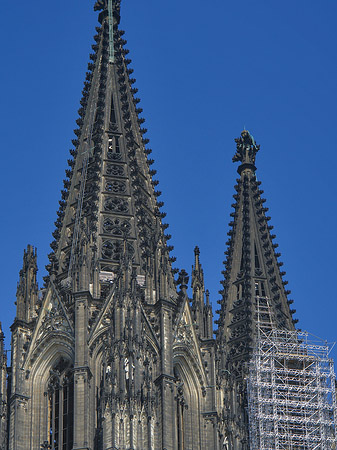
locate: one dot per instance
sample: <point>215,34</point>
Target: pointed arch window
<point>61,407</point>
<point>260,289</point>
<point>114,151</point>
<point>263,291</point>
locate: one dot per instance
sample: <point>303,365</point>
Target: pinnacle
<point>196,258</point>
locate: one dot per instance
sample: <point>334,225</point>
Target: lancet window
<point>260,289</point>
<point>257,260</point>
<point>61,408</point>
<point>114,151</point>
<point>112,111</point>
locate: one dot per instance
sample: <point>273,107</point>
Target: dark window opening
<point>114,151</point>
<point>112,111</point>
<point>257,261</point>
<point>263,291</point>
<point>205,327</point>
<point>260,289</point>
<point>61,408</point>
<point>117,149</point>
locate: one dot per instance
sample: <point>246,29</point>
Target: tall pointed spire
<point>110,278</point>
<point>253,286</point>
<point>109,200</point>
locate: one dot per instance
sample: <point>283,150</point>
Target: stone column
<point>166,380</point>
<point>82,390</point>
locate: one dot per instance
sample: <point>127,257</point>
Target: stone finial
<point>183,280</point>
<point>246,149</point>
<point>196,258</point>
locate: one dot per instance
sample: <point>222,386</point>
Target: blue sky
<point>204,70</point>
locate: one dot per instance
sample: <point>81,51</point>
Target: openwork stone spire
<point>253,280</point>
<point>109,301</point>
<point>109,206</point>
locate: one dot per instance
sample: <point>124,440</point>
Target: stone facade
<point>111,353</point>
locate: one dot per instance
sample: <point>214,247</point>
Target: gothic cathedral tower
<point>112,354</point>
<point>109,354</point>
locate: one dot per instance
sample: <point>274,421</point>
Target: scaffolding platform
<point>291,390</point>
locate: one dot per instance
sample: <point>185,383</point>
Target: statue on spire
<point>246,148</point>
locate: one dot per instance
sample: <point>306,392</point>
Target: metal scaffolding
<point>291,389</point>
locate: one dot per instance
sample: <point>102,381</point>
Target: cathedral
<point>111,353</point>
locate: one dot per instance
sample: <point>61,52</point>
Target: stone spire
<point>111,328</point>
<point>253,286</point>
<point>109,202</point>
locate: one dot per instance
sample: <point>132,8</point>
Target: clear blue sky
<point>204,71</point>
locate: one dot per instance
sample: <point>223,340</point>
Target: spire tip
<point>246,149</point>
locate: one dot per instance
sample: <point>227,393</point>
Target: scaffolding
<point>291,389</point>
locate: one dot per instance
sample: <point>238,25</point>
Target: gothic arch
<point>182,352</point>
<point>37,381</point>
<point>188,421</point>
<point>96,342</point>
<point>41,346</point>
<point>114,419</point>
